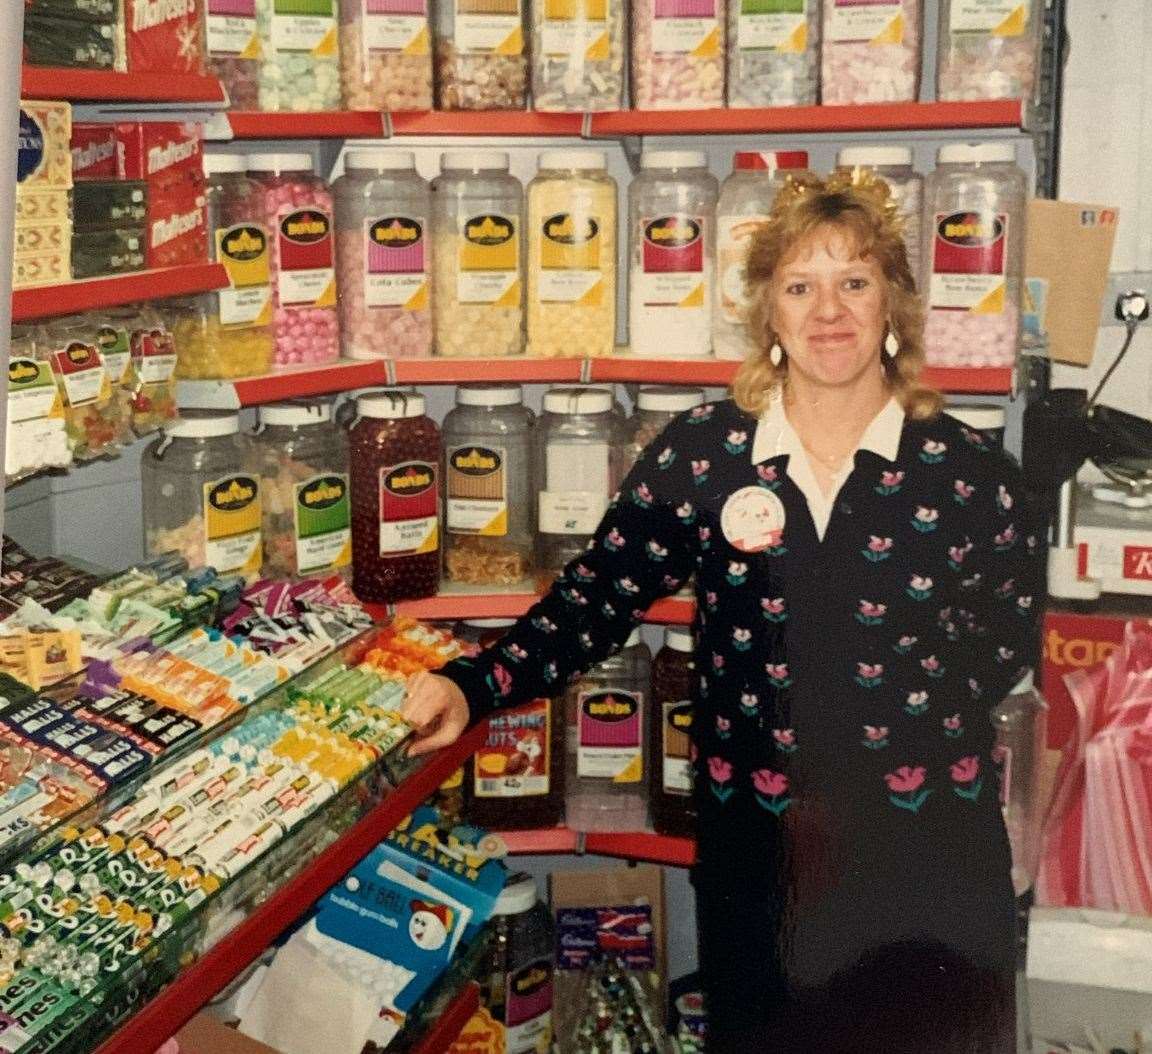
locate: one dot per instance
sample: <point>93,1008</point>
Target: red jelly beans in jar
<point>395,452</point>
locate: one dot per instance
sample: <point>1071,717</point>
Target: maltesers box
<point>163,153</point>
<point>177,226</point>
<point>94,152</point>
<point>164,36</point>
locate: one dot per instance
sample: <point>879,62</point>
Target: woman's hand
<point>436,708</point>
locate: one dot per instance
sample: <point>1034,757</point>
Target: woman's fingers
<point>437,710</point>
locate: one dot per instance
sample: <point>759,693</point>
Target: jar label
<point>153,355</point>
<point>488,27</point>
<point>489,261</point>
<point>323,517</point>
<point>570,248</point>
<point>395,263</point>
<point>307,277</point>
<point>232,28</point>
<point>609,736</point>
<point>672,264</point>
<point>81,373</point>
<point>969,255</point>
<point>576,28</point>
<point>773,25</point>
<point>408,509</point>
<point>686,27</point>
<point>232,515</point>
<point>528,1008</point>
<point>243,250</point>
<point>483,1034</point>
<point>514,761</point>
<point>32,392</point>
<point>866,22</point>
<point>477,491</point>
<point>677,775</point>
<point>571,511</point>
<point>395,26</point>
<point>304,25</point>
<point>733,239</point>
<point>1001,18</point>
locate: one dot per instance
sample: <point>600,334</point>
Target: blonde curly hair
<point>858,205</point>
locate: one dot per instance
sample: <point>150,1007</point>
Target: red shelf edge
<point>451,1022</point>
<point>519,369</point>
<point>546,840</point>
<point>51,82</point>
<point>343,124</point>
<point>643,845</point>
<point>673,611</point>
<point>491,122</point>
<point>970,381</point>
<point>627,370</point>
<point>307,382</point>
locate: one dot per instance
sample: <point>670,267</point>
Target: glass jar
<point>296,208</point>
<point>200,499</point>
<point>678,55</point>
<point>299,55</point>
<point>93,414</point>
<point>674,681</point>
<point>488,487</point>
<point>229,333</point>
<point>975,204</point>
<point>746,199</point>
<point>481,63</point>
<point>572,255</point>
<point>578,468</point>
<point>385,55</point>
<point>232,45</point>
<point>383,212</point>
<point>36,436</point>
<point>394,451</point>
<point>893,164</point>
<point>773,53</point>
<point>301,458</point>
<point>578,56</point>
<point>988,51</point>
<point>656,407</point>
<point>477,218</point>
<point>606,742</point>
<point>672,223</point>
<point>871,52</point>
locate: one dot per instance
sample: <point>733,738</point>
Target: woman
<point>867,584</point>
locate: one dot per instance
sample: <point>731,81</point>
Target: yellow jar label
<point>489,260</point>
<point>232,514</point>
<point>570,267</point>
<point>243,250</point>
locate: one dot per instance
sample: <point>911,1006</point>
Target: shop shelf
<point>520,369</point>
<point>292,382</point>
<point>984,381</point>
<point>345,124</point>
<point>673,611</point>
<point>93,293</point>
<point>451,1022</point>
<point>643,845</point>
<point>488,123</point>
<point>51,82</point>
<point>548,840</point>
<point>628,369</point>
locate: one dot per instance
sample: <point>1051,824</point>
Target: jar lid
<point>380,160</point>
<point>295,413</point>
<point>489,395</point>
<point>674,159</point>
<point>474,159</point>
<point>578,401</point>
<point>979,417</point>
<point>518,895</point>
<point>679,639</point>
<point>298,162</point>
<point>489,623</point>
<point>874,155</point>
<point>572,159</point>
<point>216,163</point>
<point>1025,684</point>
<point>670,399</point>
<point>389,404</point>
<point>769,160</point>
<point>206,425</point>
<point>976,153</point>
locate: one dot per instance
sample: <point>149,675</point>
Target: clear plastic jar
<point>773,53</point>
<point>200,498</point>
<point>301,458</point>
<point>989,421</point>
<point>975,204</point>
<point>481,62</point>
<point>477,221</point>
<point>383,231</point>
<point>488,486</point>
<point>672,224</point>
<point>678,55</point>
<point>607,743</point>
<point>578,56</point>
<point>230,332</point>
<point>746,199</point>
<point>93,415</point>
<point>674,681</point>
<point>233,50</point>
<point>395,457</point>
<point>578,467</point>
<point>572,255</point>
<point>893,164</point>
<point>299,55</point>
<point>385,55</point>
<point>296,208</point>
<point>36,436</point>
<point>656,407</point>
<point>871,51</point>
<point>988,50</point>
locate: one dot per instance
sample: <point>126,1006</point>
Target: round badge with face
<point>753,519</point>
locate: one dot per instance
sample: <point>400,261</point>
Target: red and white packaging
<point>177,226</point>
<point>94,152</point>
<point>164,36</point>
<point>164,153</point>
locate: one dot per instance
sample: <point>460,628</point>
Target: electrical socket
<point>1120,282</point>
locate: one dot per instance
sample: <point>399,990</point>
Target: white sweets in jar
<point>578,51</point>
<point>773,52</point>
<point>678,54</point>
<point>871,51</point>
<point>988,50</point>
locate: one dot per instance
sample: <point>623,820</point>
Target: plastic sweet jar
<point>383,256</point>
<point>301,458</point>
<point>678,55</point>
<point>232,46</point>
<point>656,407</point>
<point>488,486</point>
<point>607,743</point>
<point>200,497</point>
<point>395,456</point>
<point>893,164</point>
<point>228,333</point>
<point>988,51</point>
<point>672,244</point>
<point>773,53</point>
<point>871,52</point>
<point>578,56</point>
<point>477,227</point>
<point>296,210</point>
<point>988,422</point>
<point>674,682</point>
<point>299,55</point>
<point>481,60</point>
<point>746,199</point>
<point>385,55</point>
<point>974,215</point>
<point>572,255</point>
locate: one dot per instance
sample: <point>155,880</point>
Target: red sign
<point>1138,562</point>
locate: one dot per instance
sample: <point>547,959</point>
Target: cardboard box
<point>44,150</point>
<point>205,1034</point>
<point>164,36</point>
<point>177,226</point>
<point>94,152</point>
<point>164,153</point>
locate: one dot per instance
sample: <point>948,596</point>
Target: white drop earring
<point>891,345</point>
<point>776,354</point>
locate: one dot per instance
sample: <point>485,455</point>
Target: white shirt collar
<point>776,436</point>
